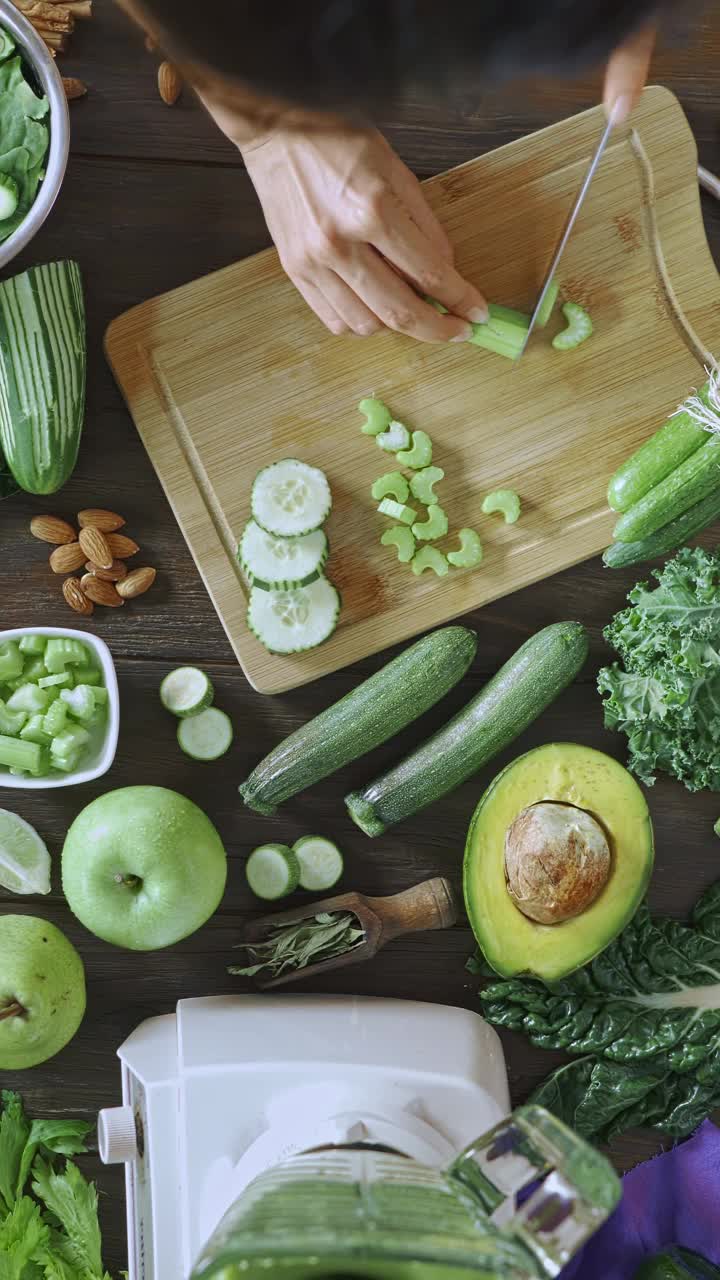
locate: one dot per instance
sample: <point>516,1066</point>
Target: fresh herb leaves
<point>645,1015</point>
<point>665,693</point>
<point>56,1234</point>
<point>294,946</point>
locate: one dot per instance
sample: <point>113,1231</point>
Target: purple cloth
<point>672,1199</point>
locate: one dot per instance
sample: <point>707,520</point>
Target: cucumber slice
<point>397,511</point>
<point>272,871</point>
<point>396,437</point>
<point>292,621</point>
<point>290,498</point>
<point>321,863</point>
<point>186,691</point>
<point>205,736</point>
<point>420,455</point>
<point>280,564</point>
<point>402,539</point>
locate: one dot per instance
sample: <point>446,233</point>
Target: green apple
<point>142,867</point>
<point>42,991</point>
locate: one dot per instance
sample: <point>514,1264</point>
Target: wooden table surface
<point>153,198</point>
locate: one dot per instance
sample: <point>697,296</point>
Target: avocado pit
<point>557,861</point>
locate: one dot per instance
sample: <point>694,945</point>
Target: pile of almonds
<point>54,21</point>
<point>102,551</point>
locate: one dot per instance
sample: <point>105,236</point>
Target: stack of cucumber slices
<point>204,732</point>
<point>283,551</point>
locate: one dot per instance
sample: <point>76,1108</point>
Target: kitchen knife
<point>567,229</point>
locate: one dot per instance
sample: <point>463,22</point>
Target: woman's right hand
<point>356,236</point>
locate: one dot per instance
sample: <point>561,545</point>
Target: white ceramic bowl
<point>37,56</point>
<point>96,763</point>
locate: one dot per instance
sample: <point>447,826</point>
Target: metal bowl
<point>39,59</point>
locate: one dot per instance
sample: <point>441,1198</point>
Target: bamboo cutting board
<point>232,372</point>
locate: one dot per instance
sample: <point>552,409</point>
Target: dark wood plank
<point>155,197</point>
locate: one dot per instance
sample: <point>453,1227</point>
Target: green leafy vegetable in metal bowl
<point>664,694</point>
<point>24,139</point>
<point>643,1019</point>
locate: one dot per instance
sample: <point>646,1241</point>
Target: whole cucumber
<point>693,480</point>
<point>370,714</point>
<point>662,454</point>
<point>521,690</point>
<point>667,539</point>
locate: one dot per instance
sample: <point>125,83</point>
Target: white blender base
<point>230,1085</point>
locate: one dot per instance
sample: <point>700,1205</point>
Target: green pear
<point>42,991</point>
<point>143,867</point>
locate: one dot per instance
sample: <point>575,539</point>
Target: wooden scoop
<point>430,905</point>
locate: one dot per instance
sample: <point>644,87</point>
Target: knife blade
<point>567,230</point>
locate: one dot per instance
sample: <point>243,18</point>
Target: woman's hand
<point>354,233</point>
<point>627,73</point>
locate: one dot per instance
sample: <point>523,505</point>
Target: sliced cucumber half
<point>320,861</point>
<point>272,871</point>
<point>205,736</point>
<point>291,621</point>
<point>274,564</point>
<point>186,691</point>
<point>290,498</point>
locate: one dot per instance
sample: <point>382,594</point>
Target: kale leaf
<point>664,694</point>
<point>644,1018</point>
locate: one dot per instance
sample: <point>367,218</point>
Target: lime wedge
<point>24,859</point>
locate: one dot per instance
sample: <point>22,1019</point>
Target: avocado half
<point>563,773</point>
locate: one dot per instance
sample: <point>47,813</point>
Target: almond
<point>95,545</point>
<point>169,83</point>
<point>101,592</point>
<point>76,598</point>
<point>121,546</point>
<point>116,572</point>
<point>67,558</point>
<point>137,583</point>
<point>99,518</point>
<point>52,529</point>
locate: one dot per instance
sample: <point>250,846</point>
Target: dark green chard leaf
<point>646,1012</point>
<point>664,695</point>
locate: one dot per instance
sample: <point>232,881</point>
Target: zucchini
<point>516,696</point>
<point>42,374</point>
<point>662,454</point>
<point>373,712</point>
<point>693,480</point>
<point>667,539</point>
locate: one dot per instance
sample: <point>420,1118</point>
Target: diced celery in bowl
<point>59,708</point>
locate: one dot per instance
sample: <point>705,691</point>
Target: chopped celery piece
<point>421,485</point>
<point>504,331</point>
<point>63,651</point>
<point>88,675</point>
<point>33,644</point>
<point>435,526</point>
<point>402,539</point>
<point>48,682</point>
<point>100,694</point>
<point>392,484</point>
<point>579,328</point>
<point>11,721</point>
<point>429,558</point>
<point>11,662</point>
<point>504,501</point>
<point>16,754</point>
<point>28,698</point>
<point>33,670</point>
<point>548,305</point>
<point>71,739</point>
<point>377,416</point>
<point>33,731</point>
<point>397,511</point>
<point>12,685</point>
<point>68,763</point>
<point>470,553</point>
<point>79,701</point>
<point>396,437</point>
<point>55,719</point>
<point>420,455</point>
